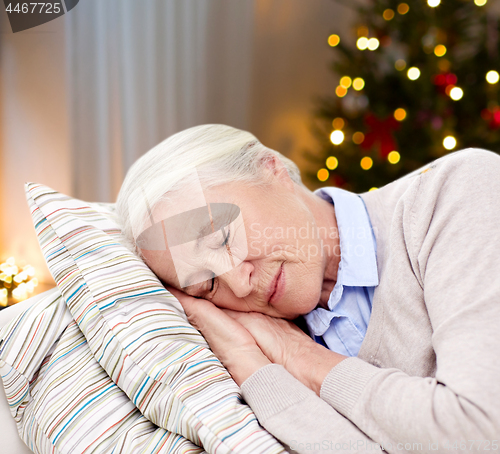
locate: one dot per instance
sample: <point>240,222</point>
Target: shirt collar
<point>358,261</point>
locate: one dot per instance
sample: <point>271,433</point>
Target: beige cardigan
<point>427,377</point>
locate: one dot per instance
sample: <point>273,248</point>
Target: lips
<point>277,287</point>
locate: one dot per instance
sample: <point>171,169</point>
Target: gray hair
<point>219,153</point>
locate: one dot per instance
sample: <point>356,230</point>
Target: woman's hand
<point>229,340</point>
<point>285,343</point>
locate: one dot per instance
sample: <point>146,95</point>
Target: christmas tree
<point>418,79</point>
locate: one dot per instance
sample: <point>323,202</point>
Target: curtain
<point>139,71</point>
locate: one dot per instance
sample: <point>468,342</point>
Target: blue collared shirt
<point>343,326</point>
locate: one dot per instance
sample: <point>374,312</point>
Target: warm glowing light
<point>400,65</point>
<point>366,163</point>
<point>413,73</point>
<point>372,189</point>
<point>440,50</point>
<point>345,82</point>
<point>340,91</point>
<point>337,137</point>
<point>449,142</point>
<point>358,84</point>
<point>492,77</point>
<point>393,157</point>
<point>362,30</point>
<point>400,114</point>
<point>403,8</point>
<point>332,162</point>
<point>362,43</point>
<point>456,93</point>
<point>338,123</point>
<point>388,14</point>
<point>480,2</point>
<point>358,137</point>
<point>333,40</point>
<point>433,3</point>
<point>323,174</point>
<point>373,43</point>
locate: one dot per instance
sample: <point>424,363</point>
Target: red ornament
<point>493,116</point>
<point>381,134</point>
<point>444,82</point>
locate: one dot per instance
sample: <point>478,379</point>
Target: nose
<point>239,279</point>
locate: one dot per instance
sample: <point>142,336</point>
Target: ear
<point>276,170</point>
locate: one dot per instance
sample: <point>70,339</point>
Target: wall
<point>34,140</point>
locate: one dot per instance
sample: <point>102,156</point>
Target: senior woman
<point>398,288</point>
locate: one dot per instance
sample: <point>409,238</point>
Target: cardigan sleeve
<point>298,417</point>
<point>454,248</point>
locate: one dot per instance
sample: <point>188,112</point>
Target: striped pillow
<point>62,399</point>
<point>137,330</point>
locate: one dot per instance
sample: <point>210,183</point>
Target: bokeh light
<point>480,2</point>
<point>323,174</point>
<point>345,82</point>
<point>413,73</point>
<point>433,3</point>
<point>492,77</point>
<point>340,91</point>
<point>373,43</point>
<point>449,142</point>
<point>403,8</point>
<point>337,137</point>
<point>393,157</point>
<point>400,114</point>
<point>332,162</point>
<point>372,189</point>
<point>333,40</point>
<point>358,84</point>
<point>456,93</point>
<point>400,65</point>
<point>366,163</point>
<point>362,43</point>
<point>338,123</point>
<point>440,50</point>
<point>388,14</point>
<point>358,137</point>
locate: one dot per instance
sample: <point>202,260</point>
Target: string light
<point>366,163</point>
<point>358,137</point>
<point>440,50</point>
<point>358,84</point>
<point>492,77</point>
<point>362,43</point>
<point>337,137</point>
<point>400,114</point>
<point>433,3</point>
<point>480,2</point>
<point>373,43</point>
<point>413,73</point>
<point>22,282</point>
<point>345,82</point>
<point>363,30</point>
<point>338,123</point>
<point>388,14</point>
<point>400,65</point>
<point>393,157</point>
<point>333,40</point>
<point>403,8</point>
<point>340,91</point>
<point>456,93</point>
<point>323,174</point>
<point>332,162</point>
<point>449,142</point>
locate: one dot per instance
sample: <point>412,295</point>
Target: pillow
<point>137,331</point>
<point>62,400</point>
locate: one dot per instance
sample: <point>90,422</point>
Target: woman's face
<point>283,270</point>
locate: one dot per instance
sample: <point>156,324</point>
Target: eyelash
<point>222,245</point>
